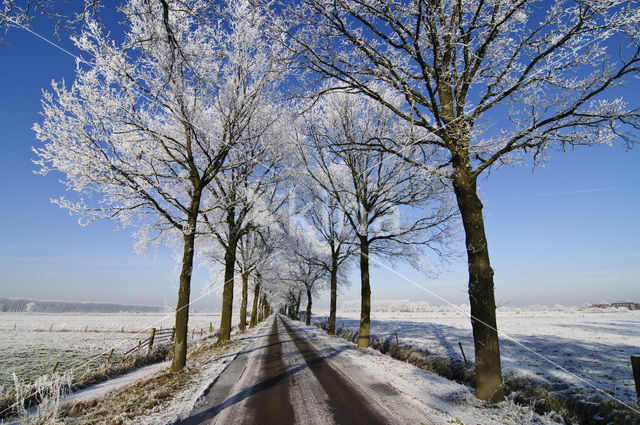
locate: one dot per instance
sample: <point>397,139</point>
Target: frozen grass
<point>30,350</point>
<point>593,346</point>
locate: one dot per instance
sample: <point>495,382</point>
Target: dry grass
<point>123,405</point>
<point>571,406</point>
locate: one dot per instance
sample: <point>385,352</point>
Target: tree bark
<point>296,314</point>
<point>182,309</point>
<point>481,290</point>
<point>365,299</point>
<point>334,294</point>
<point>243,303</point>
<point>227,293</point>
<point>307,320</point>
<point>254,308</point>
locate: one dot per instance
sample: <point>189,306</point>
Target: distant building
<point>629,305</point>
<point>626,304</point>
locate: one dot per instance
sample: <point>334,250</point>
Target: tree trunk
<point>297,310</point>
<point>334,294</point>
<point>182,309</point>
<point>227,293</point>
<point>265,307</point>
<point>243,303</point>
<point>254,308</point>
<point>365,306</point>
<point>481,291</point>
<point>307,320</point>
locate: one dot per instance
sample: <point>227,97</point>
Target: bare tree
<point>147,125</point>
<point>254,249</point>
<point>542,69</point>
<point>304,270</point>
<point>331,232</point>
<point>376,191</point>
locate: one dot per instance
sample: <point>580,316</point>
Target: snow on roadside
<point>183,403</point>
<point>445,400</point>
<point>99,390</point>
<point>593,346</point>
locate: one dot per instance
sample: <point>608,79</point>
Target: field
<point>584,352</point>
<point>32,343</point>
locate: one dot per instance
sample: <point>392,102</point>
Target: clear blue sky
<point>564,234</point>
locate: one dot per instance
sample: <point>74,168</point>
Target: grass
<point>565,403</point>
<point>143,397</point>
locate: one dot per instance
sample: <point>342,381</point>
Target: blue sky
<point>566,234</point>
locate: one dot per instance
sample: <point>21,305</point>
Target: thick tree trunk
<point>254,308</point>
<point>365,297</point>
<point>182,309</point>
<point>334,294</point>
<point>307,320</point>
<point>481,291</point>
<point>227,293</point>
<point>243,303</point>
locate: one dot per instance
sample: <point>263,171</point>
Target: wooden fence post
<point>635,365</point>
<point>210,327</point>
<point>153,334</point>
<point>462,351</point>
<point>173,334</point>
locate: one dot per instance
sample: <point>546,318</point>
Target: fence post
<point>462,351</point>
<point>153,334</point>
<point>173,334</point>
<point>635,365</point>
<point>397,343</point>
<point>210,327</point>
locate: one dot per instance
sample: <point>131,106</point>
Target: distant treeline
<point>23,305</point>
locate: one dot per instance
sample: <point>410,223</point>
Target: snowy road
<point>286,377</point>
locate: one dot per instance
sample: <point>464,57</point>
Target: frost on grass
<point>164,397</point>
<point>593,346</point>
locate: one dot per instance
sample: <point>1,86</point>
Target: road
<point>285,377</point>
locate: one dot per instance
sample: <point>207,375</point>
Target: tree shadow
<point>212,412</point>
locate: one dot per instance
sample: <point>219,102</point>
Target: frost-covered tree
<point>330,231</point>
<point>490,83</point>
<point>149,122</point>
<point>378,193</point>
<point>245,196</point>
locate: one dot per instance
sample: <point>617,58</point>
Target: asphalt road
<point>283,378</point>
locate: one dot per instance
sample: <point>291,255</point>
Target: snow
<point>29,349</point>
<point>103,388</point>
<point>415,395</point>
<point>183,403</point>
<point>581,349</point>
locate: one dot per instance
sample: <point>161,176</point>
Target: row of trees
<point>289,141</point>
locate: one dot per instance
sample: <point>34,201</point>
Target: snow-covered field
<point>593,348</point>
<point>32,343</point>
